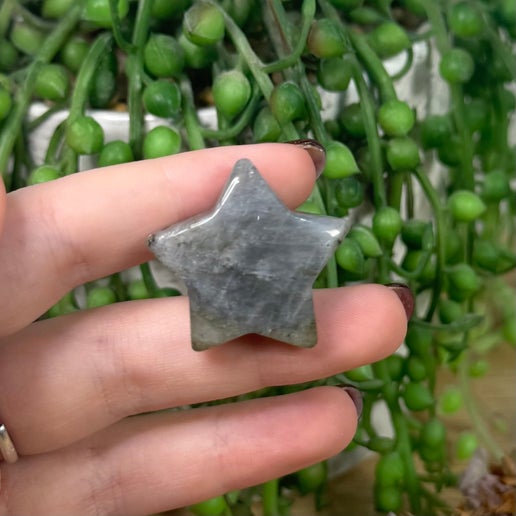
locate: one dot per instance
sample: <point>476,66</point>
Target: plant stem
<point>465,323</point>
<point>314,113</point>
<point>33,124</point>
<point>467,177</point>
<point>18,163</point>
<point>51,46</point>
<point>433,197</point>
<point>223,126</point>
<point>275,16</point>
<point>54,144</point>
<point>148,279</point>
<point>412,275</point>
<point>118,287</point>
<point>409,197</point>
<point>270,498</point>
<point>373,65</point>
<point>435,17</point>
<point>367,108</point>
<point>193,129</point>
<point>124,45</point>
<point>407,66</point>
<point>135,76</point>
<point>332,279</point>
<point>366,420</point>
<point>396,183</point>
<point>308,13</point>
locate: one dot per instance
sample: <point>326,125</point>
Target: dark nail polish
<point>356,397</point>
<point>405,295</point>
<point>316,152</point>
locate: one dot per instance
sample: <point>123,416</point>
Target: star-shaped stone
<point>249,264</point>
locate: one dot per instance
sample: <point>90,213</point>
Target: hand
<point>68,384</point>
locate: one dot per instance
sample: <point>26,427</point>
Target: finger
<point>2,203</point>
<point>153,463</point>
<point>83,372</point>
<point>85,226</point>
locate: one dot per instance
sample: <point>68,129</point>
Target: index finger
<point>64,233</point>
<point>2,203</point>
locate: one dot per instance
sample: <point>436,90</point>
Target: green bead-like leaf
<point>465,206</point>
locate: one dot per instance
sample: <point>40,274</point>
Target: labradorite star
<point>249,264</point>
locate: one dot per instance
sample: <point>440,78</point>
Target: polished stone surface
<point>249,264</point>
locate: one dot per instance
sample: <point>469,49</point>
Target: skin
<point>68,384</point>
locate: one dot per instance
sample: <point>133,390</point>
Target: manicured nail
<point>316,151</point>
<point>405,295</point>
<point>356,397</point>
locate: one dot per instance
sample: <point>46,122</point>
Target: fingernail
<point>406,297</point>
<point>356,397</point>
<point>316,152</point>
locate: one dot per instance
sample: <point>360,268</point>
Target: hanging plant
<point>266,69</point>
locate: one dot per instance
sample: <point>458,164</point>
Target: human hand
<point>68,384</point>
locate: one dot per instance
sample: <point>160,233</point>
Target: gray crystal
<point>249,264</point>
